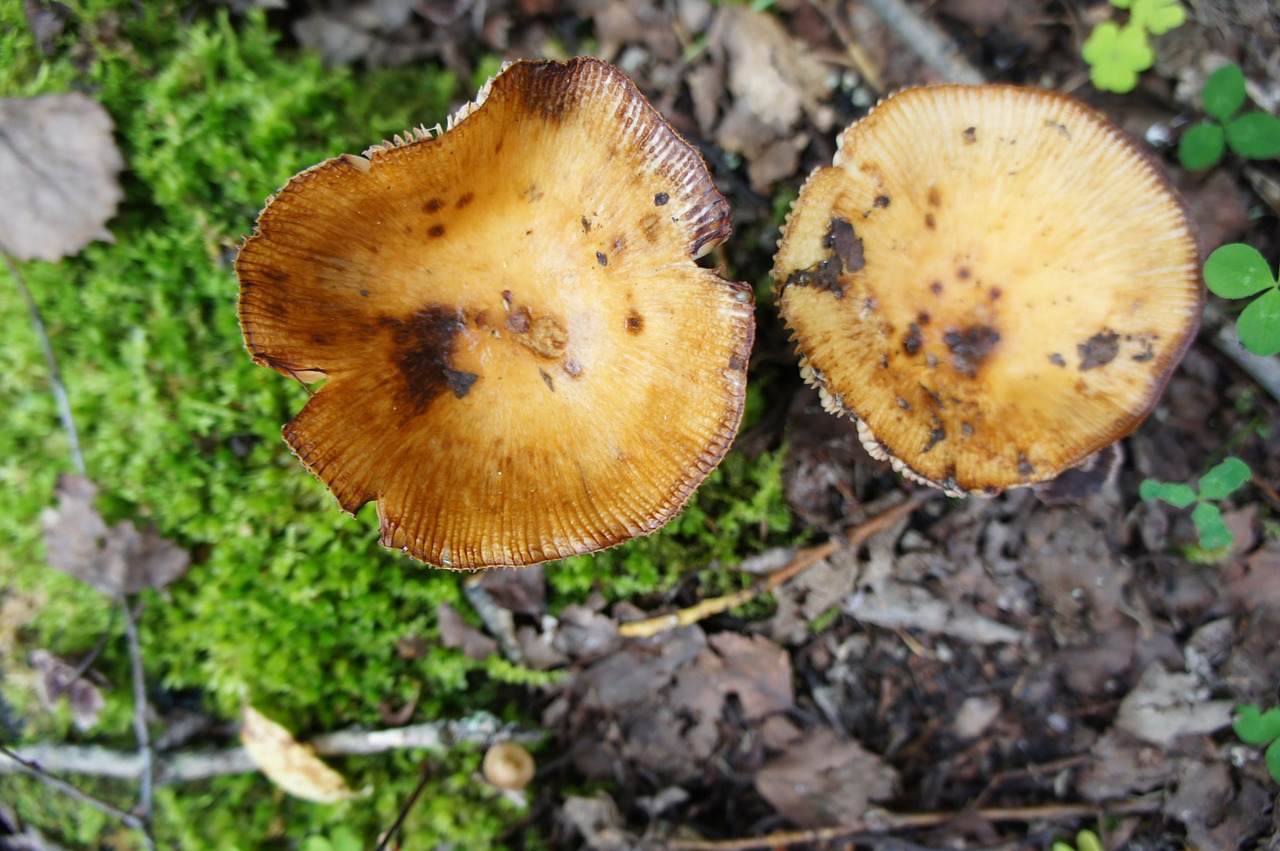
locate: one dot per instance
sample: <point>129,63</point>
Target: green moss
<point>289,604</point>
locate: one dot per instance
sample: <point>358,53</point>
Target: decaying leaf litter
<point>982,670</point>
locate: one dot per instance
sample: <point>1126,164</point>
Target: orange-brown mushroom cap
<point>521,359</point>
<point>993,280</point>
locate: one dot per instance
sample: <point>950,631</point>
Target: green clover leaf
<point>1116,55</point>
<point>1255,136</point>
<point>1223,92</point>
<point>1259,324</point>
<point>1222,480</point>
<point>1237,271</point>
<point>1158,16</point>
<point>1177,495</point>
<point>1202,146</point>
<point>1214,534</point>
<point>1255,727</point>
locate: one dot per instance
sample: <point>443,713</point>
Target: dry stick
<point>882,821</point>
<point>931,44</point>
<point>147,775</point>
<point>425,775</point>
<point>131,628</point>
<point>182,767</point>
<point>55,376</point>
<point>33,769</point>
<point>804,560</point>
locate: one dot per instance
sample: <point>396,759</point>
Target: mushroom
<point>508,765</point>
<point>521,360</point>
<point>993,281</point>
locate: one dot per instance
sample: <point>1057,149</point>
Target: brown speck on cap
<point>480,439</point>
<point>989,242</point>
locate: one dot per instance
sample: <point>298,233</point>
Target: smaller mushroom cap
<point>508,765</point>
<point>993,280</point>
<point>521,359</point>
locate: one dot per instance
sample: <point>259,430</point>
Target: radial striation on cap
<point>521,360</point>
<point>994,281</point>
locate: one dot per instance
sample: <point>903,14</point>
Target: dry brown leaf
<point>58,166</point>
<point>292,766</point>
<point>824,781</point>
<point>117,560</point>
<point>458,634</point>
<point>58,680</point>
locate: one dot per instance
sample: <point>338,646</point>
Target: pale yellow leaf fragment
<point>292,766</point>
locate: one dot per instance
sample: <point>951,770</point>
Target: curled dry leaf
<point>117,560</point>
<point>58,680</point>
<point>292,766</point>
<point>58,166</point>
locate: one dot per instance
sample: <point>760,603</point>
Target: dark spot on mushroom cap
<point>881,201</point>
<point>935,198</point>
<point>969,347</point>
<point>845,245</point>
<point>433,206</point>
<point>1024,467</point>
<point>635,322</point>
<point>903,403</point>
<point>912,342</point>
<point>518,321</point>
<point>436,231</point>
<point>737,362</point>
<point>364,293</point>
<point>586,225</point>
<point>963,273</point>
<point>321,339</point>
<point>649,226</point>
<point>923,318</point>
<point>970,135</point>
<point>546,379</point>
<point>936,288</point>
<point>995,293</point>
<point>930,222</point>
<point>460,382</point>
<point>572,367</point>
<point>1098,350</point>
<point>425,344</point>
<point>937,434</point>
<point>601,258</point>
<point>661,199</point>
<point>464,200</point>
<point>1057,359</point>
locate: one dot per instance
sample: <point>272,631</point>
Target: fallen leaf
<point>58,680</point>
<point>458,634</point>
<point>822,781</point>
<point>58,166</point>
<point>598,822</point>
<point>117,560</point>
<point>522,590</point>
<point>1164,706</point>
<point>292,766</point>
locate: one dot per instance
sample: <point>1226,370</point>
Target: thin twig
<point>146,777</point>
<point>878,822</point>
<point>803,560</point>
<point>33,769</point>
<point>187,766</point>
<point>424,776</point>
<point>87,662</point>
<point>931,44</point>
<point>51,363</point>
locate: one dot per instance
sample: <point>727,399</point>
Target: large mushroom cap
<point>993,280</point>
<point>521,360</point>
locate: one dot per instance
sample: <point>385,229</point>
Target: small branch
<point>55,376</point>
<point>183,767</point>
<point>878,822</point>
<point>146,758</point>
<point>1222,332</point>
<point>931,44</point>
<point>803,560</point>
<point>32,768</point>
<point>424,776</point>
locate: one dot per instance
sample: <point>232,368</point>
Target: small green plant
<point>1240,271</point>
<point>1214,486</point>
<point>1258,728</point>
<point>1254,135</point>
<point>1118,53</point>
<point>1086,840</point>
